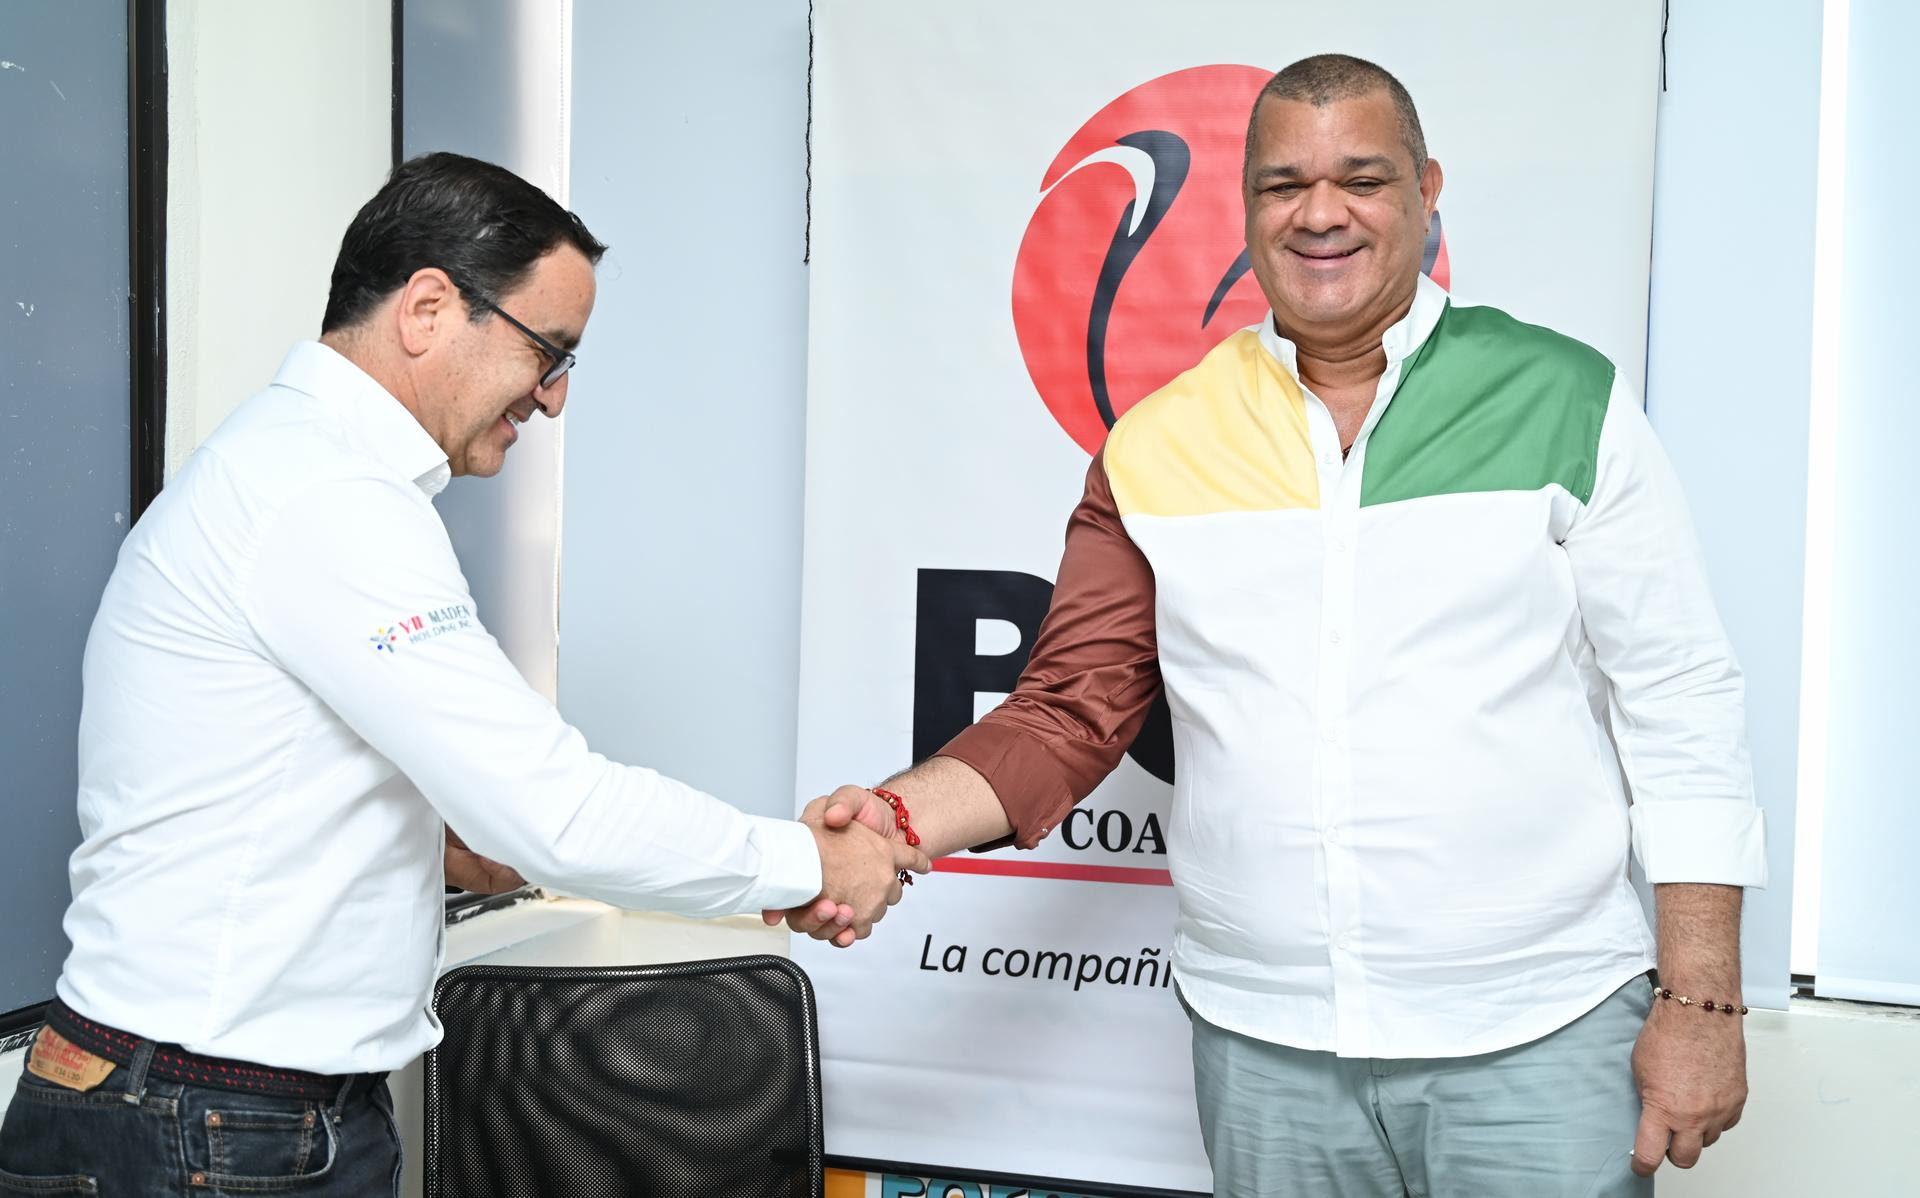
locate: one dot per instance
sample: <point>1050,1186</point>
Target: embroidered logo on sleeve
<point>418,630</point>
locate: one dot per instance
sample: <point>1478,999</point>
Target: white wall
<point>1728,367</point>
<point>489,78</point>
<point>681,604</point>
<point>279,128</point>
<point>1835,1096</point>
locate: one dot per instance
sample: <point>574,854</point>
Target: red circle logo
<point>1134,264</point>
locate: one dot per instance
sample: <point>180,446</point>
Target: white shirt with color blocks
<point>1424,699</point>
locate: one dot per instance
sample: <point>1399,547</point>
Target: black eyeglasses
<point>562,360</point>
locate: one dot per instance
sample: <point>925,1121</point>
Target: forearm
<point>1699,933</point>
<point>953,807</point>
<point>1080,701</point>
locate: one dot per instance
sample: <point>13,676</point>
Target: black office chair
<point>673,1081</point>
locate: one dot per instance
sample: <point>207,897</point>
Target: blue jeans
<point>151,1137</point>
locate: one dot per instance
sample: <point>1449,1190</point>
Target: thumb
<point>771,918</point>
<point>905,856</point>
<point>1649,1143</point>
<point>861,805</point>
<point>837,814</point>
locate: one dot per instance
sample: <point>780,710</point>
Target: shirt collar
<point>374,419</point>
<point>1400,341</point>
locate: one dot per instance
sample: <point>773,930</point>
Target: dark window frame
<point>147,246</point>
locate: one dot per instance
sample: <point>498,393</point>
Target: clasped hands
<point>862,856</point>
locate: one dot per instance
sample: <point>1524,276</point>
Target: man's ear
<point>1430,180</point>
<point>429,305</point>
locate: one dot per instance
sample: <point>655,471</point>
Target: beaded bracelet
<point>900,819</point>
<point>1707,1004</point>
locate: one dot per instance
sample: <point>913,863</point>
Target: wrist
<point>901,824</point>
<point>1703,1004</point>
<point>901,816</point>
<point>1716,983</point>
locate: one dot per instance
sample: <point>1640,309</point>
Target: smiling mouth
<point>1328,257</point>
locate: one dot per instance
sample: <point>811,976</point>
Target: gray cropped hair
<point>1328,78</point>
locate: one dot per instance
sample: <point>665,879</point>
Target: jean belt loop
<point>340,1100</point>
<point>137,1073</point>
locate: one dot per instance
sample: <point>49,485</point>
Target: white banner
<point>1026,217</point>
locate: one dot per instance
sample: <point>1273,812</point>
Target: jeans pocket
<point>383,1102</point>
<point>1616,1179</point>
<point>259,1149</point>
<point>72,1183</point>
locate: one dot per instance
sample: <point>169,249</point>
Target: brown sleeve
<point>1093,674</point>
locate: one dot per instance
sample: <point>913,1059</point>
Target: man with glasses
<point>559,360</point>
<point>288,689</point>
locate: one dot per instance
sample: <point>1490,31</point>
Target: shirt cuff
<point>789,864</point>
<point>1022,774</point>
<point>1716,841</point>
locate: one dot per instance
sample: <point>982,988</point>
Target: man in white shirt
<point>288,690</point>
<point>1423,596</point>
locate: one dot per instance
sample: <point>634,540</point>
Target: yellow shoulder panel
<point>1229,435</point>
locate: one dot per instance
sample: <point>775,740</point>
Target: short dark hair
<point>482,224</point>
<point>1326,78</point>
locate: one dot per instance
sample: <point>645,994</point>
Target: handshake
<point>865,860</point>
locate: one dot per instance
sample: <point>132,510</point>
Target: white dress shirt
<point>1424,698</point>
<point>287,688</point>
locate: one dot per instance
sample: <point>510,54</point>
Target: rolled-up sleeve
<point>357,593</point>
<point>1678,697</point>
<point>1086,689</point>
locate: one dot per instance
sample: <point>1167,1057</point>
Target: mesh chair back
<point>671,1080</point>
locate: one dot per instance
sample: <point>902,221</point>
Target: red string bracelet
<point>900,821</point>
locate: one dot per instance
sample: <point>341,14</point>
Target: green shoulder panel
<point>1490,404</point>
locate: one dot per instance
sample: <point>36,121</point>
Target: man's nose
<point>552,399</point>
<point>1323,208</point>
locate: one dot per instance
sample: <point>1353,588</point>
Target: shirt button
<point>1330,735</point>
<point>1328,459</point>
<point>1333,835</point>
<point>1344,943</point>
<point>1333,636</point>
<point>1339,544</point>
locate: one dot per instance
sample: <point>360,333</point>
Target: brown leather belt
<point>175,1063</point>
